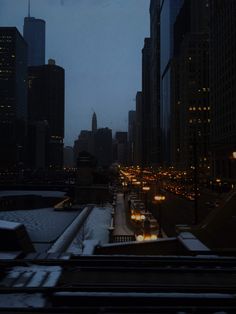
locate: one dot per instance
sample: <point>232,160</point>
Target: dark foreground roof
<point>118,284</point>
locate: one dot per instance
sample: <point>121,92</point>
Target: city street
<point>121,226</point>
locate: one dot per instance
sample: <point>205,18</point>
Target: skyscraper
<point>138,129</point>
<point>131,135</point>
<point>190,109</point>
<point>13,97</point>
<point>155,82</point>
<point>146,103</point>
<point>46,89</point>
<point>94,123</point>
<point>103,146</point>
<point>169,10</point>
<point>223,88</point>
<point>34,35</point>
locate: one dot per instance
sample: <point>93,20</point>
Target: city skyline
<point>105,79</point>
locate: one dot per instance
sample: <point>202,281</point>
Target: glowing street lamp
<point>160,199</point>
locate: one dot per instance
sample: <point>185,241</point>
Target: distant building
<point>94,123</point>
<point>121,147</point>
<point>13,98</point>
<point>103,147</point>
<point>138,130</point>
<point>146,103</point>
<point>34,35</point>
<point>68,157</point>
<point>46,89</point>
<point>131,136</point>
<point>223,88</point>
<point>84,143</point>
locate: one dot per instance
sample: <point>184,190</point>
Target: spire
<point>28,8</point>
<point>94,122</point>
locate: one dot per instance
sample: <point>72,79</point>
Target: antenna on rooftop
<point>28,8</point>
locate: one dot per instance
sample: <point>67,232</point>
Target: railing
<point>123,238</point>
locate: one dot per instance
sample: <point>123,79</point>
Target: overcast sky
<point>98,43</point>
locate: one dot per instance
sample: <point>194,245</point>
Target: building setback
<point>13,98</point>
<point>223,87</point>
<point>46,103</point>
<point>34,35</point>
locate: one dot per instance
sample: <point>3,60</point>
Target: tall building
<point>131,136</point>
<point>103,147</point>
<point>34,35</point>
<point>155,157</point>
<point>223,87</point>
<point>121,147</point>
<point>168,12</point>
<point>94,123</point>
<point>138,130</point>
<point>190,109</point>
<point>13,97</point>
<point>84,143</point>
<point>146,103</point>
<point>68,157</point>
<point>46,89</point>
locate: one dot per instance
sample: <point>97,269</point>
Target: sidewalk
<point>121,226</point>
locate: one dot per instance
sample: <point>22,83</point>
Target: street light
<point>160,199</point>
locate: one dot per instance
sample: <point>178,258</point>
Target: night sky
<point>98,43</point>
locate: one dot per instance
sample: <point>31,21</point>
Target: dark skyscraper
<point>169,11</point>
<point>94,122</point>
<point>131,135</point>
<point>138,129</point>
<point>223,87</point>
<point>103,147</point>
<point>46,103</point>
<point>146,103</point>
<point>155,82</point>
<point>34,35</point>
<point>190,110</point>
<point>13,97</point>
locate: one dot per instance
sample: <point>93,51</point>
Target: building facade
<point>168,11</point>
<point>223,88</point>
<point>131,136</point>
<point>146,103</point>
<point>103,147</point>
<point>138,130</point>
<point>46,89</point>
<point>34,35</point>
<point>190,108</point>
<point>13,98</point>
<point>155,157</point>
